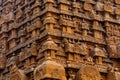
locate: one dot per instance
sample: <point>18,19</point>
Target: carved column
<point>22,35</point>
<point>75,7</point>
<point>98,30</point>
<point>85,28</point>
<point>49,23</point>
<point>69,49</point>
<point>2,60</point>
<point>4,37</point>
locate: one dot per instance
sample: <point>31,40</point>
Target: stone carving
<point>21,55</point>
<point>49,48</point>
<point>85,73</point>
<point>99,6</point>
<point>99,54</point>
<point>3,61</point>
<point>98,30</point>
<point>85,28</point>
<point>118,48</point>
<point>113,76</point>
<point>114,50</point>
<point>13,60</point>
<point>49,23</point>
<point>11,16</point>
<point>49,69</point>
<point>19,13</point>
<point>117,1</point>
<point>69,47</point>
<point>17,74</point>
<point>88,6</point>
<point>73,33</point>
<point>34,49</point>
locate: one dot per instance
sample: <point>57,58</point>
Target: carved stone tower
<point>59,39</point>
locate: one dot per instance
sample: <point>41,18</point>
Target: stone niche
<point>49,70</point>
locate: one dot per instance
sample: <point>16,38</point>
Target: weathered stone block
<point>99,6</point>
<point>108,8</point>
<point>113,76</point>
<point>88,6</point>
<point>117,1</point>
<point>117,11</point>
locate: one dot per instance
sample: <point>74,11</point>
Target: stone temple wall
<point>59,39</point>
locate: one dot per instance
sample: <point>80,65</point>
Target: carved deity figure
<point>85,28</point>
<point>118,49</point>
<point>13,60</point>
<point>13,68</point>
<point>11,16</point>
<point>34,48</point>
<point>2,61</point>
<point>89,59</point>
<point>69,47</point>
<point>85,48</point>
<point>19,13</point>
